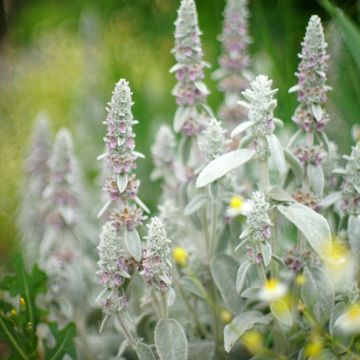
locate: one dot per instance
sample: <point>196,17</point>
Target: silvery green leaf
<point>201,87</point>
<point>316,178</point>
<point>318,293</point>
<point>278,194</point>
<point>122,348</point>
<point>196,203</point>
<point>294,88</point>
<point>266,252</point>
<point>244,240</point>
<point>324,139</point>
<point>201,350</point>
<point>295,165</point>
<point>329,200</point>
<point>281,312</point>
<point>317,111</point>
<point>313,225</point>
<point>208,110</point>
<point>337,311</point>
<point>241,275</point>
<point>176,67</point>
<point>104,208</point>
<point>102,156</point>
<point>122,181</point>
<point>246,140</point>
<point>271,105</point>
<point>223,165</point>
<point>240,324</point>
<point>340,171</point>
<point>68,214</point>
<point>144,352</point>
<point>241,128</point>
<point>354,233</point>
<point>278,122</point>
<point>133,244</point>
<point>243,104</point>
<point>185,148</point>
<point>142,205</point>
<point>277,152</point>
<point>193,286</point>
<point>251,293</point>
<point>223,270</point>
<point>182,113</point>
<point>138,154</point>
<point>170,340</point>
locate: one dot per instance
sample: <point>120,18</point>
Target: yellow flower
<point>349,322</point>
<point>338,264</point>
<point>236,202</point>
<point>13,312</point>
<point>238,206</point>
<point>272,289</point>
<point>300,279</point>
<point>253,341</point>
<point>314,347</point>
<point>22,301</point>
<point>225,316</point>
<point>180,256</point>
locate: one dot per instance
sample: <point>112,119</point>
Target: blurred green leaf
<point>64,342</point>
<point>349,31</point>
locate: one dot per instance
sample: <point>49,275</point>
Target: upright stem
<point>127,333</point>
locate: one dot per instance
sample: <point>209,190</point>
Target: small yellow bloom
<point>253,341</point>
<point>22,301</point>
<point>236,202</point>
<point>301,306</point>
<point>13,312</point>
<point>314,347</point>
<point>300,279</point>
<point>180,256</point>
<point>272,289</point>
<point>225,316</point>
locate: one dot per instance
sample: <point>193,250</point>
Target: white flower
<point>349,322</point>
<point>239,206</point>
<point>272,290</point>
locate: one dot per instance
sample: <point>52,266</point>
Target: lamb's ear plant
<point>32,215</point>
<point>253,253</point>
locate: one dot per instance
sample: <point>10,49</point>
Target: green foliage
<point>19,324</point>
<point>170,340</point>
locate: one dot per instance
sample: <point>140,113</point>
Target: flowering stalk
<point>234,61</point>
<point>60,249</point>
<point>120,249</point>
<point>156,266</point>
<point>190,91</point>
<point>32,217</point>
<point>311,116</point>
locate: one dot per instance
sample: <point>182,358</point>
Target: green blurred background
<point>63,58</point>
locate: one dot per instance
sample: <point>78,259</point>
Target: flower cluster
<point>258,221</point>
<point>234,60</point>
<point>351,185</point>
<point>261,104</point>
<point>119,139</point>
<point>311,76</point>
<point>116,260</point>
<point>156,263</point>
<point>212,142</point>
<point>307,154</point>
<point>113,267</point>
<point>62,192</point>
<point>307,198</point>
<point>190,90</point>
